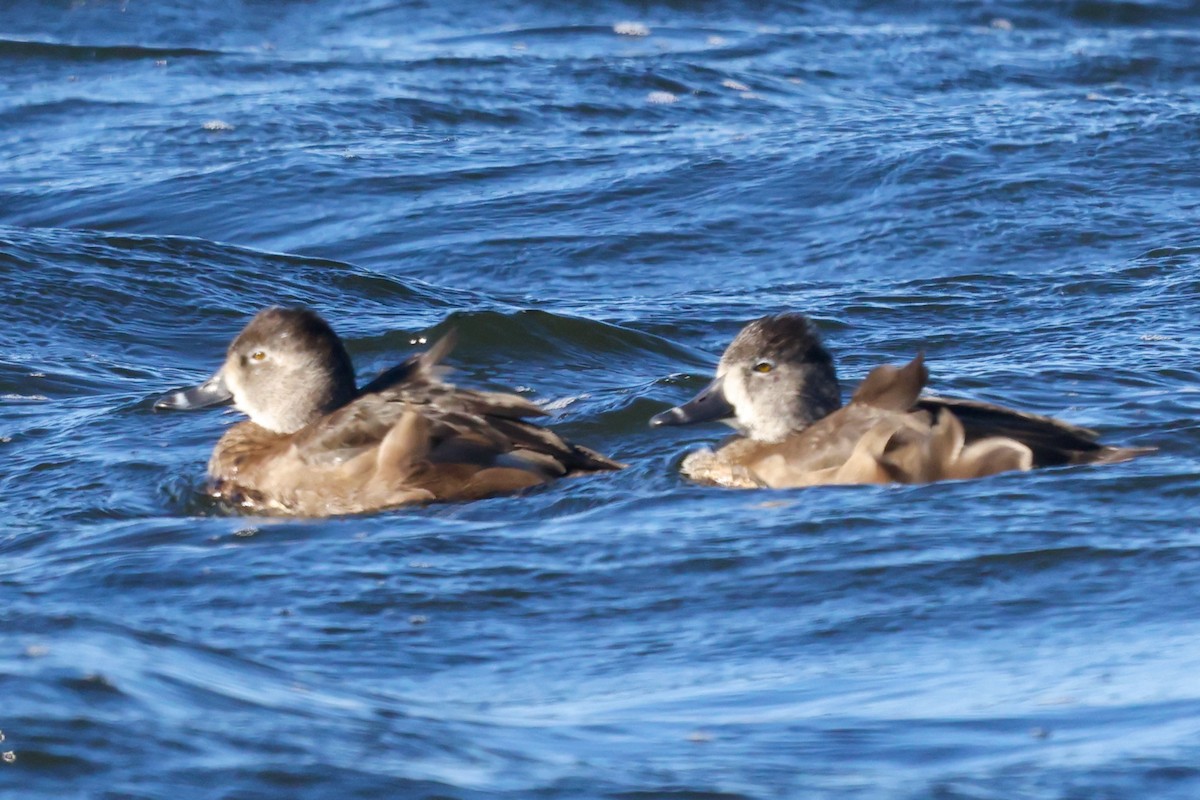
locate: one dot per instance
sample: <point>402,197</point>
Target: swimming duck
<point>777,386</point>
<point>315,444</point>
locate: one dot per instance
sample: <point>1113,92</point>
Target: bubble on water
<point>631,29</point>
<point>562,402</point>
<point>9,757</point>
<point>662,98</point>
<point>773,504</point>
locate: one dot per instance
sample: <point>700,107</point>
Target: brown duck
<point>777,386</point>
<point>316,445</point>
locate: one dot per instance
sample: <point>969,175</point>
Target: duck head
<point>285,369</point>
<point>774,378</point>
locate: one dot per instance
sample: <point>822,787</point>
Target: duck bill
<point>708,406</point>
<point>213,392</point>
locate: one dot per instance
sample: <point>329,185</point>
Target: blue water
<point>1013,187</point>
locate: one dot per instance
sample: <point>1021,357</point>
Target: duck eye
<point>763,367</point>
<point>258,355</point>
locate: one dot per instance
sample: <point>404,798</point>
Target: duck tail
<point>588,460</point>
<point>1108,454</point>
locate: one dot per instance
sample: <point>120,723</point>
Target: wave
<point>16,48</point>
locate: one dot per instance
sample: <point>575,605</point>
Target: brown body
<point>346,464</point>
<point>887,433</point>
<point>315,445</point>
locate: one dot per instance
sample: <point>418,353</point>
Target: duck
<point>777,386</point>
<point>316,444</point>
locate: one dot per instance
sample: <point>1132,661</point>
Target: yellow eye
<point>764,367</point>
<point>258,355</point>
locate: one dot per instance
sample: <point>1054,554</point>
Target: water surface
<point>597,198</point>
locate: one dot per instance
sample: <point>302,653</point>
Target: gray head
<point>285,369</point>
<point>774,378</point>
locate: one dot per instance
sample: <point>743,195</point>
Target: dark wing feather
<point>501,419</point>
<point>1053,442</point>
<point>425,366</point>
<point>352,429</point>
<point>463,425</point>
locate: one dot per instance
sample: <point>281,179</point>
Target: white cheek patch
<point>762,413</point>
<point>734,388</point>
<point>233,382</point>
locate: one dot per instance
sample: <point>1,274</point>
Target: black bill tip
<point>708,406</point>
<point>213,392</point>
<point>672,416</point>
